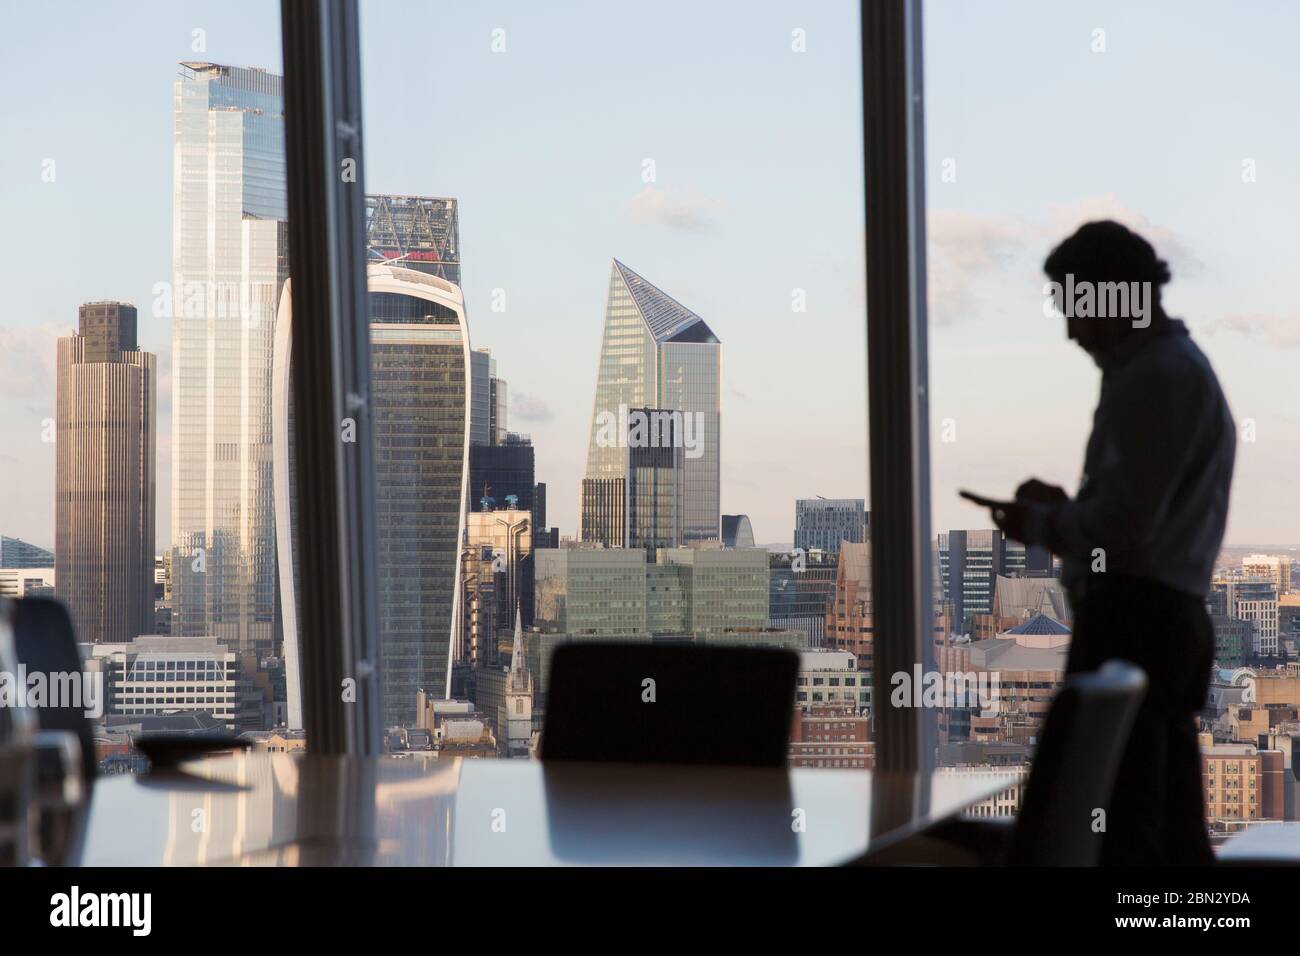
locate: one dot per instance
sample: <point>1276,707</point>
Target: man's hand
<point>1038,492</point>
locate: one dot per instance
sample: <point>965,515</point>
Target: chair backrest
<point>17,759</point>
<point>1083,738</point>
<point>669,703</point>
<point>46,642</point>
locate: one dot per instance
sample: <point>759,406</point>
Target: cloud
<point>525,408</point>
<point>965,248</point>
<point>1279,331</point>
<point>685,212</point>
<point>27,362</point>
<point>962,246</point>
<point>1064,219</point>
<point>971,241</point>
<point>950,296</point>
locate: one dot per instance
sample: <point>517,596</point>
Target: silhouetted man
<point>1139,541</point>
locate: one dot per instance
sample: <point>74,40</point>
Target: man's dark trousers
<point>1157,810</point>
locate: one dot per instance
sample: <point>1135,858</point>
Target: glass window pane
<point>136,409</point>
<point>665,265</point>
<point>1039,119</point>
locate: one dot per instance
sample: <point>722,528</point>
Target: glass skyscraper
<point>432,399</point>
<point>654,492</point>
<point>737,531</point>
<point>827,522</point>
<point>655,353</point>
<point>16,553</point>
<point>482,370</point>
<point>969,565</point>
<point>420,423</point>
<point>420,386</point>
<point>229,262</point>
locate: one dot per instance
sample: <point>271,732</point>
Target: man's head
<point>1107,282</point>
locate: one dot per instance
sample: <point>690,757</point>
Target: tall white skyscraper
<point>229,260</point>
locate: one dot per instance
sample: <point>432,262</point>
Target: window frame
<point>335,482</point>
<point>897,384</point>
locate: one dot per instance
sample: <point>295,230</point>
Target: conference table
<point>280,809</point>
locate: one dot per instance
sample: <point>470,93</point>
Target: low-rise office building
<point>827,522</point>
<point>802,587</point>
<point>1019,673</point>
<point>699,595</point>
<point>835,736</point>
<point>154,675</point>
<point>1016,600</point>
<point>1242,783</point>
<point>848,616</point>
<point>282,741</point>
<point>1005,803</point>
<point>27,582</point>
<point>831,677</point>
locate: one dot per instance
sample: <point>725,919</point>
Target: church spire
<point>521,680</point>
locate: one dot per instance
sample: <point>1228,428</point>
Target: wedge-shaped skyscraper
<point>655,354</point>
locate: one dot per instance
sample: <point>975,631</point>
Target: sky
<point>749,115</point>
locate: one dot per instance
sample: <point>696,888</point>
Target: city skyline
<point>978,224</point>
<point>561,471</point>
<point>556,423</point>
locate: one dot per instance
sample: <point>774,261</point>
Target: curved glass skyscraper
<point>420,370</point>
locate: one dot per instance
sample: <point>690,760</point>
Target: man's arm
<point>1152,430</point>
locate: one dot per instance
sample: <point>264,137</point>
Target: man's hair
<point>1107,252</point>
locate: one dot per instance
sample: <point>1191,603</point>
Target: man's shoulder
<point>1176,362</point>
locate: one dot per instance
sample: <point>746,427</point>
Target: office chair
<point>17,760</point>
<point>46,642</point>
<point>669,703</point>
<point>1083,738</point>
